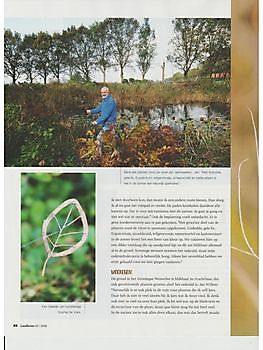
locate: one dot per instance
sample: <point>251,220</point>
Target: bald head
<point>104,91</point>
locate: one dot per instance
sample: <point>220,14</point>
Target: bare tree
<point>146,47</point>
<point>43,46</point>
<point>29,57</point>
<point>12,55</point>
<point>104,59</point>
<point>187,43</point>
<point>58,56</point>
<point>123,36</point>
<point>84,52</point>
<point>68,39</point>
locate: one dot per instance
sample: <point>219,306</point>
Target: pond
<point>175,116</point>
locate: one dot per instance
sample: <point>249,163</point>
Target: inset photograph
<point>58,237</point>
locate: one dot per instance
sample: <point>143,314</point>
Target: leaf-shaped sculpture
<point>62,238</point>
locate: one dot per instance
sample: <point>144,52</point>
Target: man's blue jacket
<point>108,110</point>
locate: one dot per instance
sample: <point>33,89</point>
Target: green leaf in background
<point>91,236</point>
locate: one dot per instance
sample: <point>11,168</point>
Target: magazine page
<point>131,174</point>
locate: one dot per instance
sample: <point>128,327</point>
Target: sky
<point>163,31</point>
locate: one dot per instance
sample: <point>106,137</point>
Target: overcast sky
<point>163,31</point>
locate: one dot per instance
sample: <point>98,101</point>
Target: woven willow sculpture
<point>59,243</point>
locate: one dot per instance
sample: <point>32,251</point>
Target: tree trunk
<point>121,74</point>
<point>163,69</point>
<point>104,76</point>
<point>70,72</point>
<point>87,78</point>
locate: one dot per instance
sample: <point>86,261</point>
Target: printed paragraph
<point>166,176</point>
<point>180,296</point>
<point>166,230</point>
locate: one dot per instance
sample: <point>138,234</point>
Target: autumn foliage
<point>142,146</point>
<point>47,126</point>
<point>147,146</point>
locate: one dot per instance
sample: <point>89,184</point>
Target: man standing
<point>108,115</point>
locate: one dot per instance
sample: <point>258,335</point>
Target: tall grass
<point>39,129</point>
<point>208,144</point>
<point>148,94</point>
<point>71,98</point>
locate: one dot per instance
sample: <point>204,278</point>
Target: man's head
<point>104,91</point>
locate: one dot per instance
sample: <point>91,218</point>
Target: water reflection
<point>176,116</point>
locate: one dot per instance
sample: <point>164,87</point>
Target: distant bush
<point>36,141</point>
<point>14,134</point>
<point>178,76</point>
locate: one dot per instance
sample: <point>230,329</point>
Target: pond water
<point>175,116</point>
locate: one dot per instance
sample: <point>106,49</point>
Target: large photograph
<point>117,92</point>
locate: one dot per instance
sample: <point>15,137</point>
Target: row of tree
<point>115,42</point>
<point>80,51</point>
